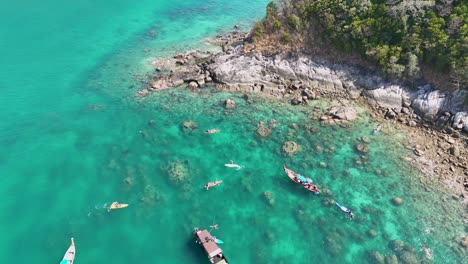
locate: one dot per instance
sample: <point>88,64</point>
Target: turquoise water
<point>73,139</point>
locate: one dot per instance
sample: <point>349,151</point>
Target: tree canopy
<point>399,35</point>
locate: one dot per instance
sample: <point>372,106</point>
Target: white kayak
<point>69,256</point>
<point>344,209</point>
<point>232,165</point>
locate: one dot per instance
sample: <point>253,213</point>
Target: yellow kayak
<point>116,205</point>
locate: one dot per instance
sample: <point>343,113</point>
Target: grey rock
<point>412,123</point>
<point>397,201</point>
<point>460,120</point>
<point>193,85</point>
<point>455,151</point>
<point>391,96</point>
<point>390,114</point>
<point>229,104</point>
<point>343,112</point>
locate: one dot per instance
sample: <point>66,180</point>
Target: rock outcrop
<point>300,78</point>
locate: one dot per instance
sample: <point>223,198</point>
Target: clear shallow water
<point>70,143</point>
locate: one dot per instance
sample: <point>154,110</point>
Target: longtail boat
<point>301,180</point>
<point>212,250</point>
<point>70,254</point>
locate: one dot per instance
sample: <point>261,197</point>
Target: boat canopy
<point>301,178</point>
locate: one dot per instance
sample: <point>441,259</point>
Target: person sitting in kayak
<point>377,129</point>
<point>350,214</point>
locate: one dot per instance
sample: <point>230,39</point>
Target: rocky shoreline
<point>436,122</point>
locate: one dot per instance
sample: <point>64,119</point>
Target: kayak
<point>217,240</point>
<point>344,209</point>
<point>116,205</point>
<point>211,131</point>
<point>212,184</point>
<point>232,165</point>
<point>70,254</point>
<point>377,129</point>
<point>301,180</point>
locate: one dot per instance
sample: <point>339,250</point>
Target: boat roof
<point>208,244</point>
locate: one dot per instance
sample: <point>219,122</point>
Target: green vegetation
<point>286,38</point>
<point>258,29</point>
<point>276,24</point>
<point>294,21</point>
<point>399,35</point>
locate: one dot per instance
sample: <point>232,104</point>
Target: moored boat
<point>307,183</point>
<point>207,242</point>
<point>69,256</point>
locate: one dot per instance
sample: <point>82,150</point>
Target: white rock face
<point>428,105</point>
<point>390,97</point>
<point>460,120</point>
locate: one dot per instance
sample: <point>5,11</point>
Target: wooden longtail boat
<point>212,250</point>
<point>70,254</point>
<point>301,180</point>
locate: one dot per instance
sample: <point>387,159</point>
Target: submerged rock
<point>269,198</point>
<point>263,131</point>
<point>375,257</point>
<point>391,259</point>
<point>464,242</point>
<point>396,245</point>
<point>177,172</point>
<point>189,125</point>
<point>372,233</point>
<point>365,139</point>
<point>397,201</point>
<point>363,149</point>
<point>407,257</point>
<point>290,148</point>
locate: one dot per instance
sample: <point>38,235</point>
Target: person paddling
<point>346,210</point>
<point>350,214</point>
<point>377,129</point>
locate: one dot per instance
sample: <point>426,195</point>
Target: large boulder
<point>389,97</point>
<point>229,104</point>
<point>429,104</point>
<point>263,131</point>
<point>460,120</point>
<point>343,112</point>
